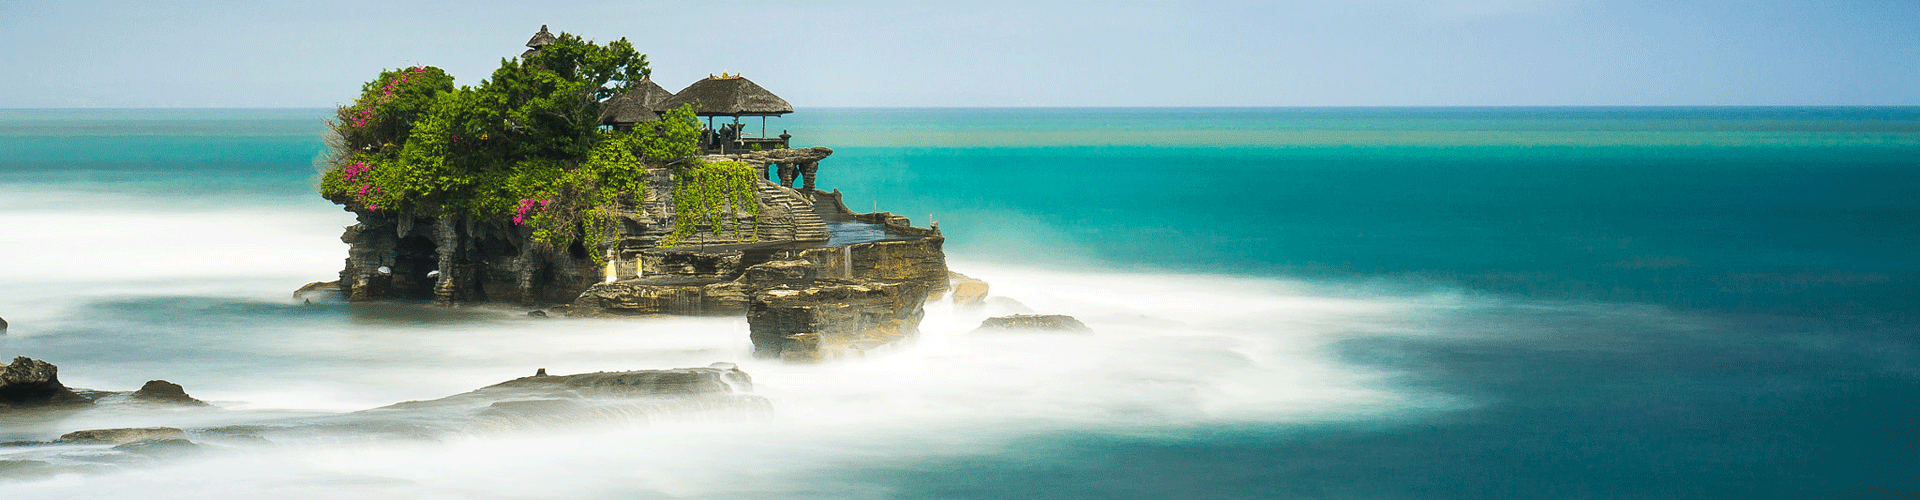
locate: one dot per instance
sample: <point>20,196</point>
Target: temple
<point>814,279</point>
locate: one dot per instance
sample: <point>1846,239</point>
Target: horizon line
<point>1388,106</point>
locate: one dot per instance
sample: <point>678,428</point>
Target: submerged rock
<point>545,400</point>
<point>161,391</point>
<point>1043,322</point>
<point>30,382</point>
<point>122,436</point>
<point>159,446</point>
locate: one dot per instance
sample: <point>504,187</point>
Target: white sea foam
<point>1169,352</point>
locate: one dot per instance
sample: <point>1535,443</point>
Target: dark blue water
<point>1681,302</point>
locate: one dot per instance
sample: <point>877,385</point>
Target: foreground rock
<point>538,402</point>
<point>548,401</point>
<point>33,383</point>
<point>1034,323</point>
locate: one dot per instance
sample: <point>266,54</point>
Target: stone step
<point>810,225</point>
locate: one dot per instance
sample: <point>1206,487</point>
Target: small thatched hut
<point>640,104</point>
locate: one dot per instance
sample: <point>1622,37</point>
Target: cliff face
<point>458,259</point>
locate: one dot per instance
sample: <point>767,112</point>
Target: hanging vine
<point>713,194</point>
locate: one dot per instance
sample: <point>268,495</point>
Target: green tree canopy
<point>525,144</point>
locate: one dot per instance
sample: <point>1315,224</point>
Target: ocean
<point>1407,303</point>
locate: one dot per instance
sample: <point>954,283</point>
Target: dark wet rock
<point>159,446</point>
<point>122,436</point>
<point>161,391</point>
<point>537,314</point>
<point>31,383</point>
<point>540,372</point>
<point>3,325</point>
<point>1044,322</point>
<point>967,290</point>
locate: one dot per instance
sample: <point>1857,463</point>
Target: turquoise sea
<point>1289,303</point>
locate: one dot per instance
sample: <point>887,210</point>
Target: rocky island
<point>571,180</point>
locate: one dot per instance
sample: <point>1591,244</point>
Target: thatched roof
<point>625,109</point>
<point>541,39</point>
<point>634,106</point>
<point>728,96</point>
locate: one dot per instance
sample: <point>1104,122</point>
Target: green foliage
<point>525,144</point>
<point>675,137</point>
<point>577,204</point>
<point>712,194</point>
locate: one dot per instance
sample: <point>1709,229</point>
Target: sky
<point>859,53</point>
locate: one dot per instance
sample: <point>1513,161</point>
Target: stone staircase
<point>807,225</point>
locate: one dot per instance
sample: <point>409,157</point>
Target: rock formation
<point>33,383</point>
<point>808,293</point>
<point>161,391</point>
<point>801,304</point>
<point>461,260</point>
<point>1044,322</point>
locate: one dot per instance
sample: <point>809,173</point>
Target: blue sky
<point>112,53</point>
